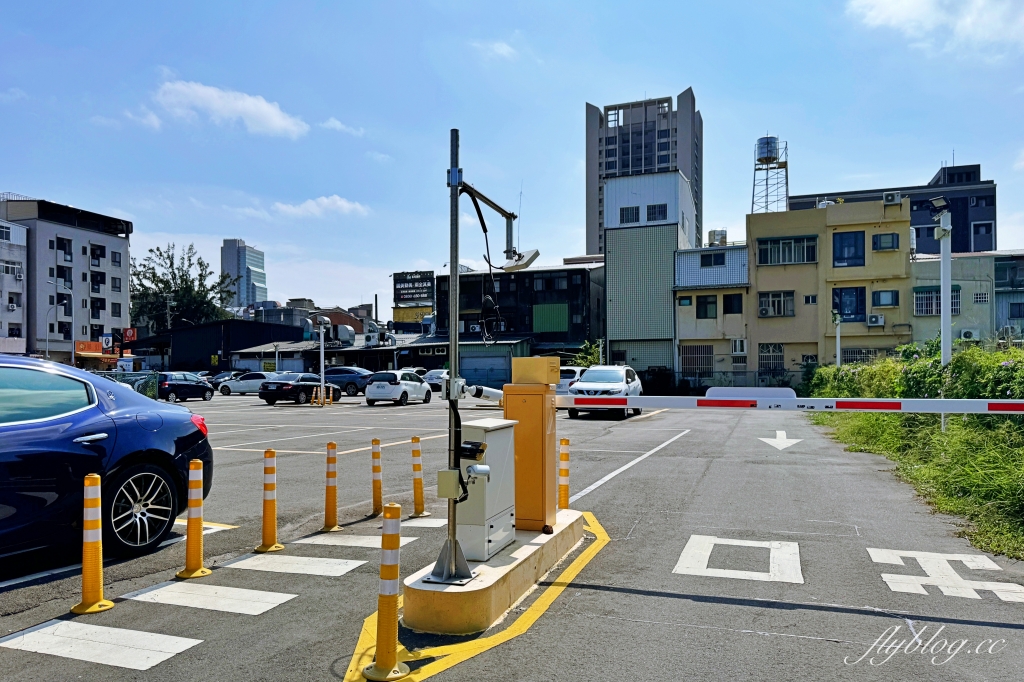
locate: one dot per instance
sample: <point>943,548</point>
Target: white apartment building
<point>76,277</point>
<point>634,138</point>
<point>13,254</point>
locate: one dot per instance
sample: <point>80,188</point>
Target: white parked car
<point>568,376</point>
<point>247,383</point>
<point>399,386</point>
<point>606,380</point>
<point>435,378</point>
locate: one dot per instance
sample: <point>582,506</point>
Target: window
<point>610,140</point>
<point>53,299</point>
<point>85,251</point>
<point>811,299</point>
<point>51,245</point>
<point>771,357</point>
<point>5,233</point>
<point>786,251</point>
<point>809,359</point>
<point>707,307</point>
<point>776,304</point>
<point>115,310</point>
<point>663,134</point>
<point>662,107</point>
<point>847,249</point>
<point>27,395</point>
<point>611,165</point>
<point>577,279</point>
<point>51,327</point>
<point>613,118</point>
<point>115,258</point>
<point>611,153</point>
<point>980,297</point>
<point>10,267</point>
<point>697,361</point>
<point>889,241</point>
<point>1017,311</point>
<point>981,236</point>
<point>708,260</point>
<point>663,146</point>
<point>732,304</point>
<point>561,283</point>
<point>629,214</point>
<point>538,284</point>
<point>885,299</point>
<point>577,319</point>
<point>85,330</point>
<point>51,271</point>
<point>85,277</point>
<point>929,302</point>
<point>662,158</point>
<point>656,212</point>
<point>85,303</point>
<point>850,302</point>
<point>685,301</point>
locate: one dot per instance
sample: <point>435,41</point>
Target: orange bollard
<point>417,479</point>
<point>385,665</point>
<point>92,551</point>
<point>270,543</point>
<point>378,493</point>
<point>331,496</point>
<point>194,532</point>
<point>563,474</point>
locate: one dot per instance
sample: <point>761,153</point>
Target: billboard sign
<point>414,287</point>
<point>130,334</point>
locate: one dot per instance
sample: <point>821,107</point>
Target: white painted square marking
<point>942,575</point>
<point>783,560</point>
<point>338,540</point>
<point>295,564</point>
<point>212,597</point>
<point>424,522</point>
<point>96,644</point>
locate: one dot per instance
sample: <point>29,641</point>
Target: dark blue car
<point>57,424</point>
<point>352,380</point>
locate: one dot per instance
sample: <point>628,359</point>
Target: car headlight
<point>615,391</point>
<point>573,391</point>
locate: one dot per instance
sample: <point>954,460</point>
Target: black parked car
<point>175,386</point>
<point>294,386</point>
<point>220,378</point>
<point>351,379</point>
<point>58,424</point>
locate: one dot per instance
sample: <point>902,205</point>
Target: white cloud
<point>248,212</point>
<point>320,207</point>
<point>378,157</point>
<point>12,95</point>
<point>105,122</point>
<point>145,118</point>
<point>982,27</point>
<point>1019,165</point>
<point>185,98</point>
<point>334,124</point>
<point>496,50</point>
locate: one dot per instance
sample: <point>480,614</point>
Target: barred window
<point>11,267</point>
<point>981,297</point>
<point>629,214</point>
<point>785,251</point>
<point>771,357</point>
<point>656,212</point>
<point>930,303</point>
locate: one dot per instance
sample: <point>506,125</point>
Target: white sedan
<point>398,386</point>
<point>247,383</point>
<point>607,380</point>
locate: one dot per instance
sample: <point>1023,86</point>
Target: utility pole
<point>169,300</point>
<point>837,320</point>
<point>946,286</point>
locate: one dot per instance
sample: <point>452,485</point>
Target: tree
<point>184,280</point>
<point>590,354</point>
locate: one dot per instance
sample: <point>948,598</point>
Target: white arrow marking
<point>780,442</point>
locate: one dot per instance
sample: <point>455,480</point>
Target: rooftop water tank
<point>767,149</point>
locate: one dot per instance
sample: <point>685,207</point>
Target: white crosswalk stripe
<point>212,597</point>
<point>295,564</point>
<point>424,523</point>
<point>339,540</point>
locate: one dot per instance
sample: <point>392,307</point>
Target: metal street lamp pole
<point>454,425</point>
<point>946,286</point>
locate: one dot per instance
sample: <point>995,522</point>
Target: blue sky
<point>319,131</point>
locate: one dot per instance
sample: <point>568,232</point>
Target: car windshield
<point>289,376</point>
<point>383,376</point>
<point>604,376</point>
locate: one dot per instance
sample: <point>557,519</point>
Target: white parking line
<point>212,597</point>
<point>424,523</point>
<point>96,644</point>
<point>279,563</point>
<point>339,540</point>
<point>594,486</point>
<point>308,435</point>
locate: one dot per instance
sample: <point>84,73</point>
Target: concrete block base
<point>499,583</point>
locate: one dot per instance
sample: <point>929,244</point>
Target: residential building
<point>246,264</point>
<point>972,205</point>
<point>364,311</point>
<point>77,274</point>
<point>645,136</point>
<point>647,219</point>
<point>13,256</point>
<point>972,299</point>
<point>1009,293</point>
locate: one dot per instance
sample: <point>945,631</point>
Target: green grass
<point>974,470</point>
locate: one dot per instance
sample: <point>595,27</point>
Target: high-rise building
<point>247,264</point>
<point>647,136</point>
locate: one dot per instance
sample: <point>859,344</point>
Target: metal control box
<point>486,519</point>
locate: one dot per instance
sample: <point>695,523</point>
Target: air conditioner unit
<point>474,327</point>
<point>739,346</point>
<point>764,312</point>
<point>970,334</point>
<point>19,276</point>
<point>1009,332</point>
<point>876,320</point>
<point>441,350</point>
<point>11,306</point>
<point>892,198</point>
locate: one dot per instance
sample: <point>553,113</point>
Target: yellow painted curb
<point>453,654</point>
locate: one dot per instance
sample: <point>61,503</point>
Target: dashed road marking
<point>96,644</point>
<point>212,597</point>
<point>339,540</point>
<point>783,561</point>
<point>278,563</point>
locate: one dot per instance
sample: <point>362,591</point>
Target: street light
<point>317,321</point>
<point>71,298</point>
<point>940,214</point>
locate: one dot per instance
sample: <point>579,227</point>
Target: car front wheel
<point>208,395</point>
<point>140,511</point>
<point>426,397</point>
<point>225,390</point>
<point>351,390</point>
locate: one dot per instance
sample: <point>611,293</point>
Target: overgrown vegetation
<point>975,468</point>
<point>590,354</point>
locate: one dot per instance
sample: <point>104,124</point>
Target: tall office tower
<point>642,137</point>
<point>245,262</point>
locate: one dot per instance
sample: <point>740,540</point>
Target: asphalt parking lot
<point>736,551</point>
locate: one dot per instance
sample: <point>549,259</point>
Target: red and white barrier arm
<point>918,405</point>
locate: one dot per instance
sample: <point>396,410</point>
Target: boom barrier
<point>918,405</point>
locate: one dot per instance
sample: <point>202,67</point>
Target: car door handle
<point>90,438</point>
